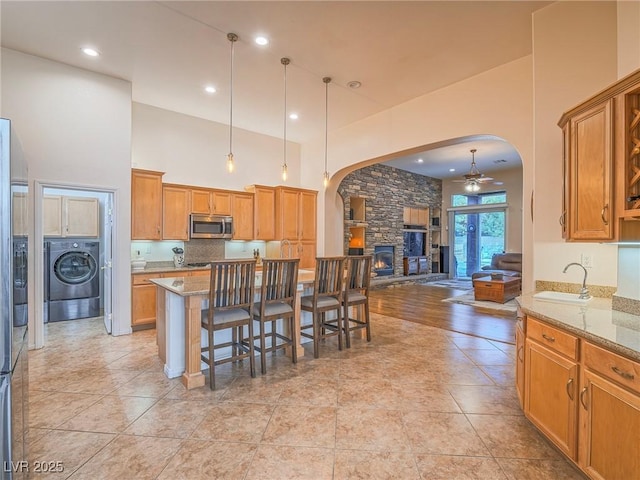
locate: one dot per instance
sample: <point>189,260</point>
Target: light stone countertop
<point>189,286</point>
<point>596,322</point>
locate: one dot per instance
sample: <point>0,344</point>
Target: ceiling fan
<point>474,178</point>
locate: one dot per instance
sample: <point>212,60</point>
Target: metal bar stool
<point>327,297</point>
<point>231,298</point>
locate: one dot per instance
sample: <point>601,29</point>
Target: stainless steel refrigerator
<point>13,310</point>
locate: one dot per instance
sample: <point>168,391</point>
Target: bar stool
<point>231,298</point>
<point>277,301</point>
<point>356,294</point>
<point>327,296</point>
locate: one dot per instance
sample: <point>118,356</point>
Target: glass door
<point>477,235</point>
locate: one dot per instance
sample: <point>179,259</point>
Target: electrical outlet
<point>586,260</point>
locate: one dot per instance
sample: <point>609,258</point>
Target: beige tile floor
<point>415,403</point>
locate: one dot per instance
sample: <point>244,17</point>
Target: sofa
<point>508,264</point>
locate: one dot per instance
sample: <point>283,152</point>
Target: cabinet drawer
<point>612,366</point>
<point>200,273</point>
<point>143,278</point>
<point>555,339</point>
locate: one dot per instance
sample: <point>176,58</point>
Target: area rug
<point>469,299</point>
<point>452,283</point>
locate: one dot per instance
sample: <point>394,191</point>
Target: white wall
<point>73,128</point>
<point>512,185</point>
<point>574,57</point>
<point>193,151</point>
<point>497,102</point>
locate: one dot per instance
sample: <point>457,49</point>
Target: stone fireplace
<point>383,259</point>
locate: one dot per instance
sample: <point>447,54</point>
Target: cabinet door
<point>146,205</point>
<point>610,429</point>
<point>406,215</point>
<point>80,217</point>
<point>423,216</point>
<point>307,254</point>
<point>242,204</point>
<point>143,304</point>
<point>590,170</point>
<point>287,214</point>
<point>307,222</point>
<point>20,215</point>
<point>52,216</point>
<point>221,203</point>
<point>265,213</point>
<point>175,213</point>
<point>201,201</point>
<point>551,391</point>
<point>520,362</point>
<point>566,141</point>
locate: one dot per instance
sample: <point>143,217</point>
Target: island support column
<point>192,376</point>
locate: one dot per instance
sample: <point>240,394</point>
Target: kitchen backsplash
<point>203,250</point>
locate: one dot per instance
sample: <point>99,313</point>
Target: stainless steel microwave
<point>210,226</point>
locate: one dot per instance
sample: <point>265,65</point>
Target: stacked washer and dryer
<point>72,280</point>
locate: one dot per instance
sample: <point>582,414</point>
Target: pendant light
<point>232,37</point>
<point>285,61</point>
<point>326,80</point>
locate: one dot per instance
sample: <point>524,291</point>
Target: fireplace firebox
<point>383,259</point>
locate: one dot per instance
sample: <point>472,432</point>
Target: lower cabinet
<point>520,362</point>
<point>582,397</point>
<point>551,383</point>
<point>414,265</point>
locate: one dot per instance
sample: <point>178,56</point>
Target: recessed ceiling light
<point>262,41</point>
<point>452,169</point>
<point>293,116</point>
<point>210,89</point>
<point>354,84</point>
<point>92,52</point>
<point>420,160</point>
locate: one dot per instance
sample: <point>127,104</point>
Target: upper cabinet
<point>296,222</point>
<point>242,209</point>
<point>20,207</point>
<point>210,202</point>
<point>176,203</point>
<point>70,216</point>
<point>415,216</point>
<point>601,165</point>
<point>146,205</point>
<point>264,215</point>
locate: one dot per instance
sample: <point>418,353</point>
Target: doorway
<point>479,231</point>
<point>79,219</point>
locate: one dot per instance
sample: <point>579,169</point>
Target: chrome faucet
<point>584,293</point>
<point>282,244</point>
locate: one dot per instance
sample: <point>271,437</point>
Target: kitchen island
<point>180,301</point>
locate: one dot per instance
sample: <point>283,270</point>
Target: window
<point>478,199</point>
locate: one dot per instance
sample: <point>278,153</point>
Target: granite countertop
<point>189,286</point>
<point>596,322</point>
<point>168,268</point>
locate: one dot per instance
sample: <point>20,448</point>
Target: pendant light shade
<point>325,177</point>
<point>285,61</point>
<point>233,38</point>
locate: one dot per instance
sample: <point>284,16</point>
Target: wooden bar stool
<point>277,301</point>
<point>356,294</point>
<point>231,299</point>
<point>327,296</point>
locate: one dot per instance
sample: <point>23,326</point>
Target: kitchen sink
<point>561,297</point>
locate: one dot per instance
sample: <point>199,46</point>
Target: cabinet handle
<point>561,219</point>
<point>520,354</point>
<point>531,205</point>
<point>584,390</point>
<point>625,375</point>
<point>604,220</point>
<point>548,338</point>
<point>569,389</point>
<point>158,229</point>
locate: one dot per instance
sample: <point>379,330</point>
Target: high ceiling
<point>170,51</point>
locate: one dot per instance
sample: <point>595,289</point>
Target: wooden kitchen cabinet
<point>296,222</point>
<point>143,299</point>
<point>264,216</point>
<point>65,216</point>
<point>609,415</point>
<point>210,202</point>
<point>146,205</point>
<point>520,362</point>
<point>551,390</point>
<point>242,211</point>
<point>20,207</point>
<point>176,205</point>
<point>415,216</point>
<point>601,165</point>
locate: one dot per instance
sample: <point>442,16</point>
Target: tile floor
<point>416,403</point>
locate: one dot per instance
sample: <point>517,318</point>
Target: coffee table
<point>500,291</point>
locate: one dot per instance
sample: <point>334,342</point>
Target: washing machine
<point>72,279</point>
